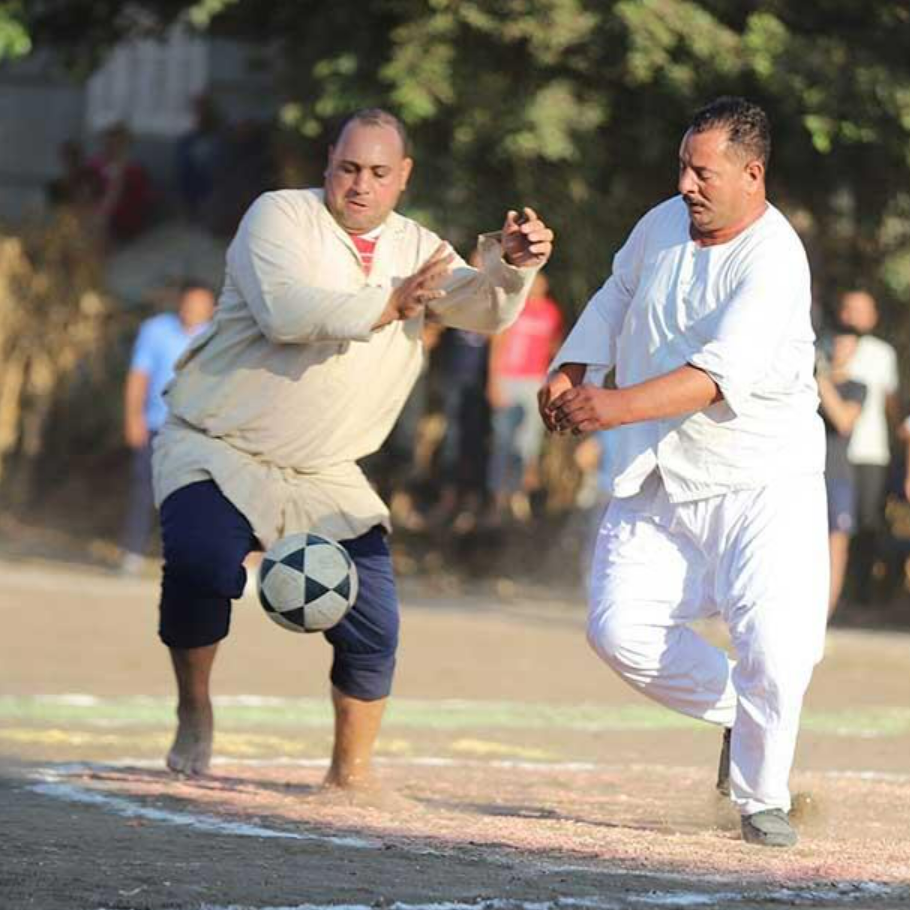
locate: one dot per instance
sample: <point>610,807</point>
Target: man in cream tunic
<point>718,452</point>
<point>314,348</point>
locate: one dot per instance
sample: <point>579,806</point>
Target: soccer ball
<point>307,583</point>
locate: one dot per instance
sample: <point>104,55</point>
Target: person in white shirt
<point>718,497</point>
<point>874,364</point>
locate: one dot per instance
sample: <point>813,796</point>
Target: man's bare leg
<point>356,728</point>
<point>191,752</point>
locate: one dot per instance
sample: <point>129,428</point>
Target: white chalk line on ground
<point>437,761</point>
<point>495,903</point>
<point>128,808</point>
<point>846,892</point>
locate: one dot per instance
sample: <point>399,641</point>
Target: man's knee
<point>366,640</point>
<point>771,683</point>
<point>185,625</point>
<point>204,539</point>
<point>197,588</point>
<point>205,566</point>
<point>364,661</point>
<point>364,676</point>
<point>614,641</point>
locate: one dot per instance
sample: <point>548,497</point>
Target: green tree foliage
<point>14,37</point>
<point>577,106</point>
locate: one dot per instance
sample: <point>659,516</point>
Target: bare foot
<point>191,752</point>
<point>359,779</point>
<point>363,791</point>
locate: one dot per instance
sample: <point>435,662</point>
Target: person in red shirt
<point>124,204</point>
<point>519,359</point>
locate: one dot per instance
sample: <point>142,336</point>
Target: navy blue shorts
<point>205,539</point>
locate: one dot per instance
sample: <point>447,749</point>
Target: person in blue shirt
<point>159,344</point>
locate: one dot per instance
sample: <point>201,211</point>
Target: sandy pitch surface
<point>518,771</point>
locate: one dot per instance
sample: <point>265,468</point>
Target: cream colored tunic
<point>290,386</point>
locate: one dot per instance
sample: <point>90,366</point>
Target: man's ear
<point>407,165</point>
<point>328,161</point>
<point>755,174</point>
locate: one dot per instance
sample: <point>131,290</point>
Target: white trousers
<point>759,558</point>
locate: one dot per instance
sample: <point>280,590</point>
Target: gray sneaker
<point>769,828</point>
<point>723,766</point>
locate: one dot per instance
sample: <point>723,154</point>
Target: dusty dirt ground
<point>518,771</point>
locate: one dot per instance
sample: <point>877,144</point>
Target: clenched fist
<point>584,409</point>
<point>526,241</point>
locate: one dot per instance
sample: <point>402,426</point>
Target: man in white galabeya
<point>718,492</point>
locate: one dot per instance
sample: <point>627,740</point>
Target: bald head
<point>367,171</point>
<point>376,116</point>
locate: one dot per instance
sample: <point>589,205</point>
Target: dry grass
<point>53,321</point>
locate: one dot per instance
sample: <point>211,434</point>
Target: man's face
<point>858,310</point>
<point>366,174</point>
<point>719,186</point>
<point>196,306</point>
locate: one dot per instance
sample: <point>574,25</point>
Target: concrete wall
<point>40,107</point>
<point>146,84</point>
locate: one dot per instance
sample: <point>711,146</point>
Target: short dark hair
<point>376,116</point>
<point>746,124</point>
<point>194,284</point>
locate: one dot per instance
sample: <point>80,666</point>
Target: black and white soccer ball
<point>307,582</point>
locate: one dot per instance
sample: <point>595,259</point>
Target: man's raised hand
<point>417,290</point>
<point>526,241</point>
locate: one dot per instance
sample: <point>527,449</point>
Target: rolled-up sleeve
<point>268,263</point>
<point>487,299</point>
<point>753,323</point>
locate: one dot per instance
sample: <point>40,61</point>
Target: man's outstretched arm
<point>489,298</point>
<point>584,408</point>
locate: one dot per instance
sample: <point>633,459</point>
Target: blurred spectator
<point>593,457</point>
<point>874,364</point>
<point>841,405</point>
<point>161,341</point>
<point>245,170</point>
<point>519,358</point>
<point>124,205</point>
<point>463,451</point>
<point>200,159</point>
<point>905,438</point>
<point>78,184</point>
<point>398,468</point>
